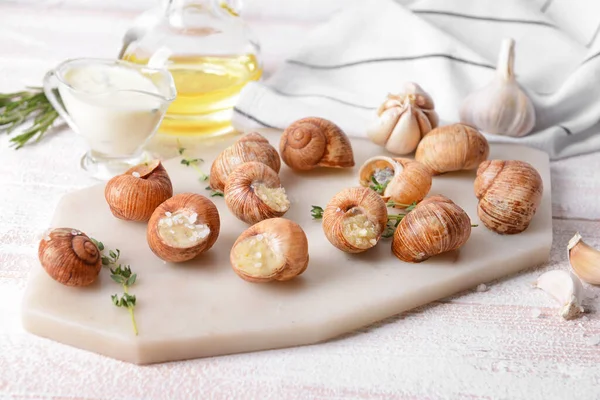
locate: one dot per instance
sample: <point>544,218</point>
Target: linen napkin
<point>450,48</point>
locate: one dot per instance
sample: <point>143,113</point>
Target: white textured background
<point>503,343</point>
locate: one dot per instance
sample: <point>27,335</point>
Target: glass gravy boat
<point>115,105</point>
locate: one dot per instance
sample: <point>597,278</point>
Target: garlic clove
<point>273,249</point>
<point>403,119</point>
<point>183,227</point>
<point>250,147</point>
<point>405,181</point>
<point>566,288</point>
<point>435,226</point>
<point>315,142</point>
<point>253,193</point>
<point>406,134</point>
<point>134,195</point>
<point>355,219</point>
<point>501,107</point>
<point>382,127</point>
<point>584,259</point>
<point>70,257</point>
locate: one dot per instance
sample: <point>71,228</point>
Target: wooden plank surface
<point>503,343</point>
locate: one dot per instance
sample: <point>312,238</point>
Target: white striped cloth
<point>449,47</point>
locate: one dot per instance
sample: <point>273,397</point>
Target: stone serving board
<point>202,308</point>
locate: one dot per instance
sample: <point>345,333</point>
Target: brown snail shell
<point>452,148</point>
<point>250,147</point>
<point>183,227</point>
<point>436,225</point>
<point>70,257</point>
<point>253,193</point>
<point>408,180</point>
<point>273,249</point>
<point>509,194</point>
<point>134,195</point>
<point>355,219</point>
<point>315,142</point>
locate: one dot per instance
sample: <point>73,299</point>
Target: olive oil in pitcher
<point>211,58</point>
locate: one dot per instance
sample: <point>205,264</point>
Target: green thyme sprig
<point>123,276</point>
<point>191,162</point>
<point>316,212</point>
<point>19,108</point>
<point>377,186</point>
<point>214,193</point>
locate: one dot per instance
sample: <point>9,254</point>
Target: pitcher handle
<point>53,96</point>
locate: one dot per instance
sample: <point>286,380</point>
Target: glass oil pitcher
<point>210,53</point>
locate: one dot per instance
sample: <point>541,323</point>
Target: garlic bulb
<point>70,257</point>
<point>436,225</point>
<point>509,194</point>
<point>315,142</point>
<point>250,147</point>
<point>183,227</point>
<point>566,288</point>
<point>273,249</point>
<point>355,219</point>
<point>134,195</point>
<point>401,180</point>
<point>453,147</point>
<point>584,259</point>
<point>403,119</point>
<point>501,107</point>
<point>253,193</point>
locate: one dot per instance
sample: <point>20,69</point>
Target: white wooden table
<point>503,343</point>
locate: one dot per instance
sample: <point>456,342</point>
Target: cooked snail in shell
<point>250,147</point>
<point>355,219</point>
<point>400,180</point>
<point>435,226</point>
<point>315,142</point>
<point>183,227</point>
<point>253,193</point>
<point>273,249</point>
<point>70,257</point>
<point>452,148</point>
<point>509,194</point>
<point>134,195</point>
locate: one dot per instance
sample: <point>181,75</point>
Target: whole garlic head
<point>501,107</point>
<point>403,119</point>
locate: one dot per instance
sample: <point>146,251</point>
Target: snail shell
<point>509,194</point>
<point>354,219</point>
<point>315,142</point>
<point>70,257</point>
<point>183,227</point>
<point>452,148</point>
<point>250,147</point>
<point>406,181</point>
<point>253,193</point>
<point>435,226</point>
<point>134,195</point>
<point>273,249</point>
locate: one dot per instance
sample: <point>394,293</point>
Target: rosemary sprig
<point>19,108</point>
<point>122,275</point>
